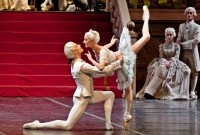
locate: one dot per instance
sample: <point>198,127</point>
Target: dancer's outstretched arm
<point>145,32</point>
<point>112,42</point>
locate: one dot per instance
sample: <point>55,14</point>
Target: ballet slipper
<point>109,126</point>
<point>32,125</point>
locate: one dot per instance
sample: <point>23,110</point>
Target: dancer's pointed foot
<point>31,125</point>
<point>146,14</point>
<point>127,118</point>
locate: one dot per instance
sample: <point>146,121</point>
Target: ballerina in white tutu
<point>104,56</point>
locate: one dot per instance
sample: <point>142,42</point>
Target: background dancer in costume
<point>167,76</point>
<point>189,38</point>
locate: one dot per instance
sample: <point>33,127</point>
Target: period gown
<point>176,83</point>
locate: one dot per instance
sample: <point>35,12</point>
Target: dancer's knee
<point>188,71</point>
<point>111,95</point>
<point>68,126</point>
<point>161,72</point>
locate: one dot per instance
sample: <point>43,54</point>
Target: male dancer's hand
<point>119,56</point>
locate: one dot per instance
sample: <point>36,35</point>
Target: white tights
<point>77,111</point>
<point>129,98</point>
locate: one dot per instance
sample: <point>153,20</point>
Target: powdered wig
<point>68,50</point>
<point>191,9</point>
<point>171,30</point>
<point>92,35</point>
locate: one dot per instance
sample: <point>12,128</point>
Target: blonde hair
<point>92,35</point>
<point>192,9</point>
<point>170,29</point>
<point>68,50</point>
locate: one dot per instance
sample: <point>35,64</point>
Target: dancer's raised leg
<point>145,32</point>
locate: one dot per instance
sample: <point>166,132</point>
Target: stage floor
<point>150,117</point>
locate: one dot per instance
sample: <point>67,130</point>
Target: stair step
<point>48,91</point>
<point>38,47</point>
<point>31,47</point>
<point>35,69</point>
<point>33,58</point>
<point>46,26</point>
<point>36,58</point>
<point>54,16</point>
<point>50,80</point>
<point>49,36</point>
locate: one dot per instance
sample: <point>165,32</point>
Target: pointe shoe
<point>146,15</point>
<point>109,126</point>
<point>32,125</point>
<point>127,118</point>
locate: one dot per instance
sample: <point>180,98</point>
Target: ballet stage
<point>150,117</point>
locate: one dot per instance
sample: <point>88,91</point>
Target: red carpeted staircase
<point>32,62</point>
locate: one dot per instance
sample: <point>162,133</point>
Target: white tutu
<point>125,74</point>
